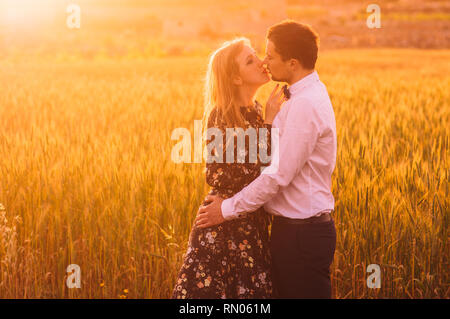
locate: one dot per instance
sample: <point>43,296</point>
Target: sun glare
<point>29,13</point>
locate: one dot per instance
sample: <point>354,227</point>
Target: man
<point>296,189</point>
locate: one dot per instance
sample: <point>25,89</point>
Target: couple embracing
<point>230,253</point>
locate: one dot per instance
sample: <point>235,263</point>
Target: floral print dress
<point>230,260</point>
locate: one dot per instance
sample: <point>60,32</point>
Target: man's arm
<point>299,136</point>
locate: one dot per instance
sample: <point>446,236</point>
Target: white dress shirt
<point>298,185</point>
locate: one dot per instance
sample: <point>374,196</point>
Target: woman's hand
<point>273,104</point>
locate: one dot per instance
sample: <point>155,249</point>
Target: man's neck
<point>300,75</point>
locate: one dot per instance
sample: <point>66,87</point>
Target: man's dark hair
<point>295,40</point>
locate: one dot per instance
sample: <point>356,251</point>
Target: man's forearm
<point>250,198</point>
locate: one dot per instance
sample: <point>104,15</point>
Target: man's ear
<point>294,64</point>
<point>237,80</point>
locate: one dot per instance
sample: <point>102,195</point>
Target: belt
<point>297,221</point>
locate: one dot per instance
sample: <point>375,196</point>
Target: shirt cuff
<point>227,209</point>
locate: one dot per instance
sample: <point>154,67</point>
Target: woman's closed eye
<point>251,58</point>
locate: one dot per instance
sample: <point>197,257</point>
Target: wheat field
<point>87,177</point>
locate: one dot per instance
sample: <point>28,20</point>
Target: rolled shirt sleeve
<point>298,135</point>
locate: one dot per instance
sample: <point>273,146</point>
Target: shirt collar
<point>307,80</point>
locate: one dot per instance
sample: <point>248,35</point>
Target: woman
<point>232,260</point>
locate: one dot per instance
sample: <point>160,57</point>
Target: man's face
<point>277,67</point>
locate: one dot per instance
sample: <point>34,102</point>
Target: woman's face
<point>252,70</point>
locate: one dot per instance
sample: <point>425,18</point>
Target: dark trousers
<point>301,259</point>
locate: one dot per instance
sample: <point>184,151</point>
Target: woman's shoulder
<point>251,115</point>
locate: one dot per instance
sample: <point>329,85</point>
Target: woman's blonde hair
<point>220,91</point>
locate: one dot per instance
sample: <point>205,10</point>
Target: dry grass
<point>86,175</point>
